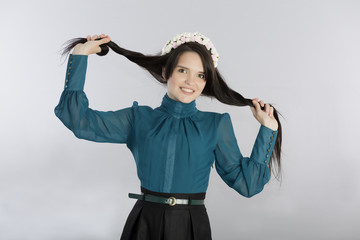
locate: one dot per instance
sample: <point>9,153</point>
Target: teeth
<point>187,90</point>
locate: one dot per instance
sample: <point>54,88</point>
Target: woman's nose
<point>190,79</point>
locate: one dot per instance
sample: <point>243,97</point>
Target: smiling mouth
<point>187,90</point>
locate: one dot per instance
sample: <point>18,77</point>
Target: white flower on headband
<point>191,37</point>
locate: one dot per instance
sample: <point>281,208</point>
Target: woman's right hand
<point>91,46</point>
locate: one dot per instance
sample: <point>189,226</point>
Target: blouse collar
<point>178,109</point>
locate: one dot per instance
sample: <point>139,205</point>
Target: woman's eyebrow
<point>185,68</point>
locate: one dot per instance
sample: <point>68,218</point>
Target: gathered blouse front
<point>174,145</point>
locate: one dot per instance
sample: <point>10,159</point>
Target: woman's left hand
<point>266,116</point>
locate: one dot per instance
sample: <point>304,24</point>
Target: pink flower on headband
<point>182,39</point>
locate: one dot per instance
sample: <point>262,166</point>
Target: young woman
<point>175,144</point>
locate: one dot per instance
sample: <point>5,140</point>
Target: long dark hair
<point>215,84</point>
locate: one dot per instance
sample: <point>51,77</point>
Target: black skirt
<point>157,221</point>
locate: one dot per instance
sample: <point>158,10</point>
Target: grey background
<point>302,56</point>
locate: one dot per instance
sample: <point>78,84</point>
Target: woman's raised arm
<point>73,108</point>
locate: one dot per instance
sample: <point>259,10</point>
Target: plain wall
<point>301,56</point>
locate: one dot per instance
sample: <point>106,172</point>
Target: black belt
<point>172,201</point>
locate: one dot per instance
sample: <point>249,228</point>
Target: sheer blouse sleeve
<point>73,109</point>
<point>247,175</point>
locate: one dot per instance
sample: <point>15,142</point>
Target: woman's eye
<point>202,76</point>
<point>182,70</point>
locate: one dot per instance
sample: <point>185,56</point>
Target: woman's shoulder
<point>138,107</point>
<point>207,115</point>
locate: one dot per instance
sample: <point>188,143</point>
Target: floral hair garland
<point>191,37</point>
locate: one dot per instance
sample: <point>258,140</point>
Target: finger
<point>256,104</point>
<point>267,109</point>
<point>104,40</point>
<point>94,37</point>
<point>105,36</point>
<point>88,37</point>
<point>262,103</point>
<point>271,111</point>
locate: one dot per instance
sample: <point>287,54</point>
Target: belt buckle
<point>171,201</point>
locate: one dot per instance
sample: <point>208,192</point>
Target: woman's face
<point>188,78</point>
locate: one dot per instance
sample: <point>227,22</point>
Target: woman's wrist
<point>78,50</point>
<point>273,127</point>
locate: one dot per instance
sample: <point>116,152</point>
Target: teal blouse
<point>174,145</point>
